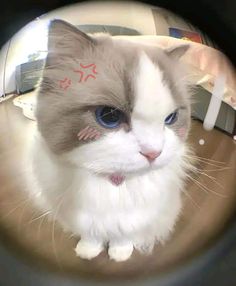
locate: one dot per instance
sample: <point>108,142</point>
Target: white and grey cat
<point>110,156</point>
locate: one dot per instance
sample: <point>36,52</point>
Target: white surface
<point>215,103</point>
<point>27,103</point>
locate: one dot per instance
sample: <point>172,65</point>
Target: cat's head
<point>110,105</point>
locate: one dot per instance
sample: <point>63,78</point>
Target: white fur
<point>153,102</point>
<point>88,249</point>
<point>141,211</point>
<point>121,251</point>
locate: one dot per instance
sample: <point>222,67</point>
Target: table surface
<point>208,206</point>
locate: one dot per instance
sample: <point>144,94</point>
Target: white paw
<point>87,249</point>
<point>120,252</point>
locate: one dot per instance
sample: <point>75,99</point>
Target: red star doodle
<point>65,83</point>
<point>90,72</point>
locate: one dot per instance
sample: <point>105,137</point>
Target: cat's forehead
<point>128,61</point>
<point>153,98</point>
<point>111,73</point>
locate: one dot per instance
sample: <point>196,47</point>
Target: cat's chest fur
<point>88,203</point>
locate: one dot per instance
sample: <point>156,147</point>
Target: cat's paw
<point>87,250</point>
<point>120,253</point>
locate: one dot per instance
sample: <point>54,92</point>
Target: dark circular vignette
<point>214,17</point>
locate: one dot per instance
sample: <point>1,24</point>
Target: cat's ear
<point>177,52</point>
<point>66,39</point>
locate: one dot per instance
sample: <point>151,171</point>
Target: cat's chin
<point>131,171</point>
<point>118,177</point>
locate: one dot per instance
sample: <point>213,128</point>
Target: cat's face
<point>112,106</point>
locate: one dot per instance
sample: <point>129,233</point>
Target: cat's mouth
<point>116,179</point>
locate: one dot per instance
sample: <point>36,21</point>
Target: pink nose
<point>151,155</point>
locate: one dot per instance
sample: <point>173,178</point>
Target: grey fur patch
<point>62,113</point>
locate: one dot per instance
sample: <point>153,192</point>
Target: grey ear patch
<point>177,51</point>
<point>58,26</point>
<point>67,39</point>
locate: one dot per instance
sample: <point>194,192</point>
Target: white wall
<point>27,41</point>
<point>128,14</point>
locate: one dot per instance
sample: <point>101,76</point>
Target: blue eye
<point>109,117</point>
<point>171,118</point>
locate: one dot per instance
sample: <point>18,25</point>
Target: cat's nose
<point>151,155</point>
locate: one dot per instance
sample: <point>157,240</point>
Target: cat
<point>110,156</point>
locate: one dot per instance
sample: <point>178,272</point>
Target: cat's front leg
<point>120,250</point>
<point>88,248</point>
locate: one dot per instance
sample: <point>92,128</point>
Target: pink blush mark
<point>88,133</point>
<point>116,179</point>
<point>182,132</point>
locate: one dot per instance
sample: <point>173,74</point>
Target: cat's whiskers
<point>203,172</point>
<point>205,161</point>
<point>42,219</point>
<point>220,169</point>
<point>23,212</point>
<point>217,164</point>
<point>19,205</point>
<point>105,114</point>
<point>187,194</point>
<point>210,177</point>
<point>39,216</point>
<point>61,198</point>
<point>22,205</point>
<point>204,188</point>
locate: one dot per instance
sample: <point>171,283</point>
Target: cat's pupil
<point>171,118</point>
<point>109,117</point>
